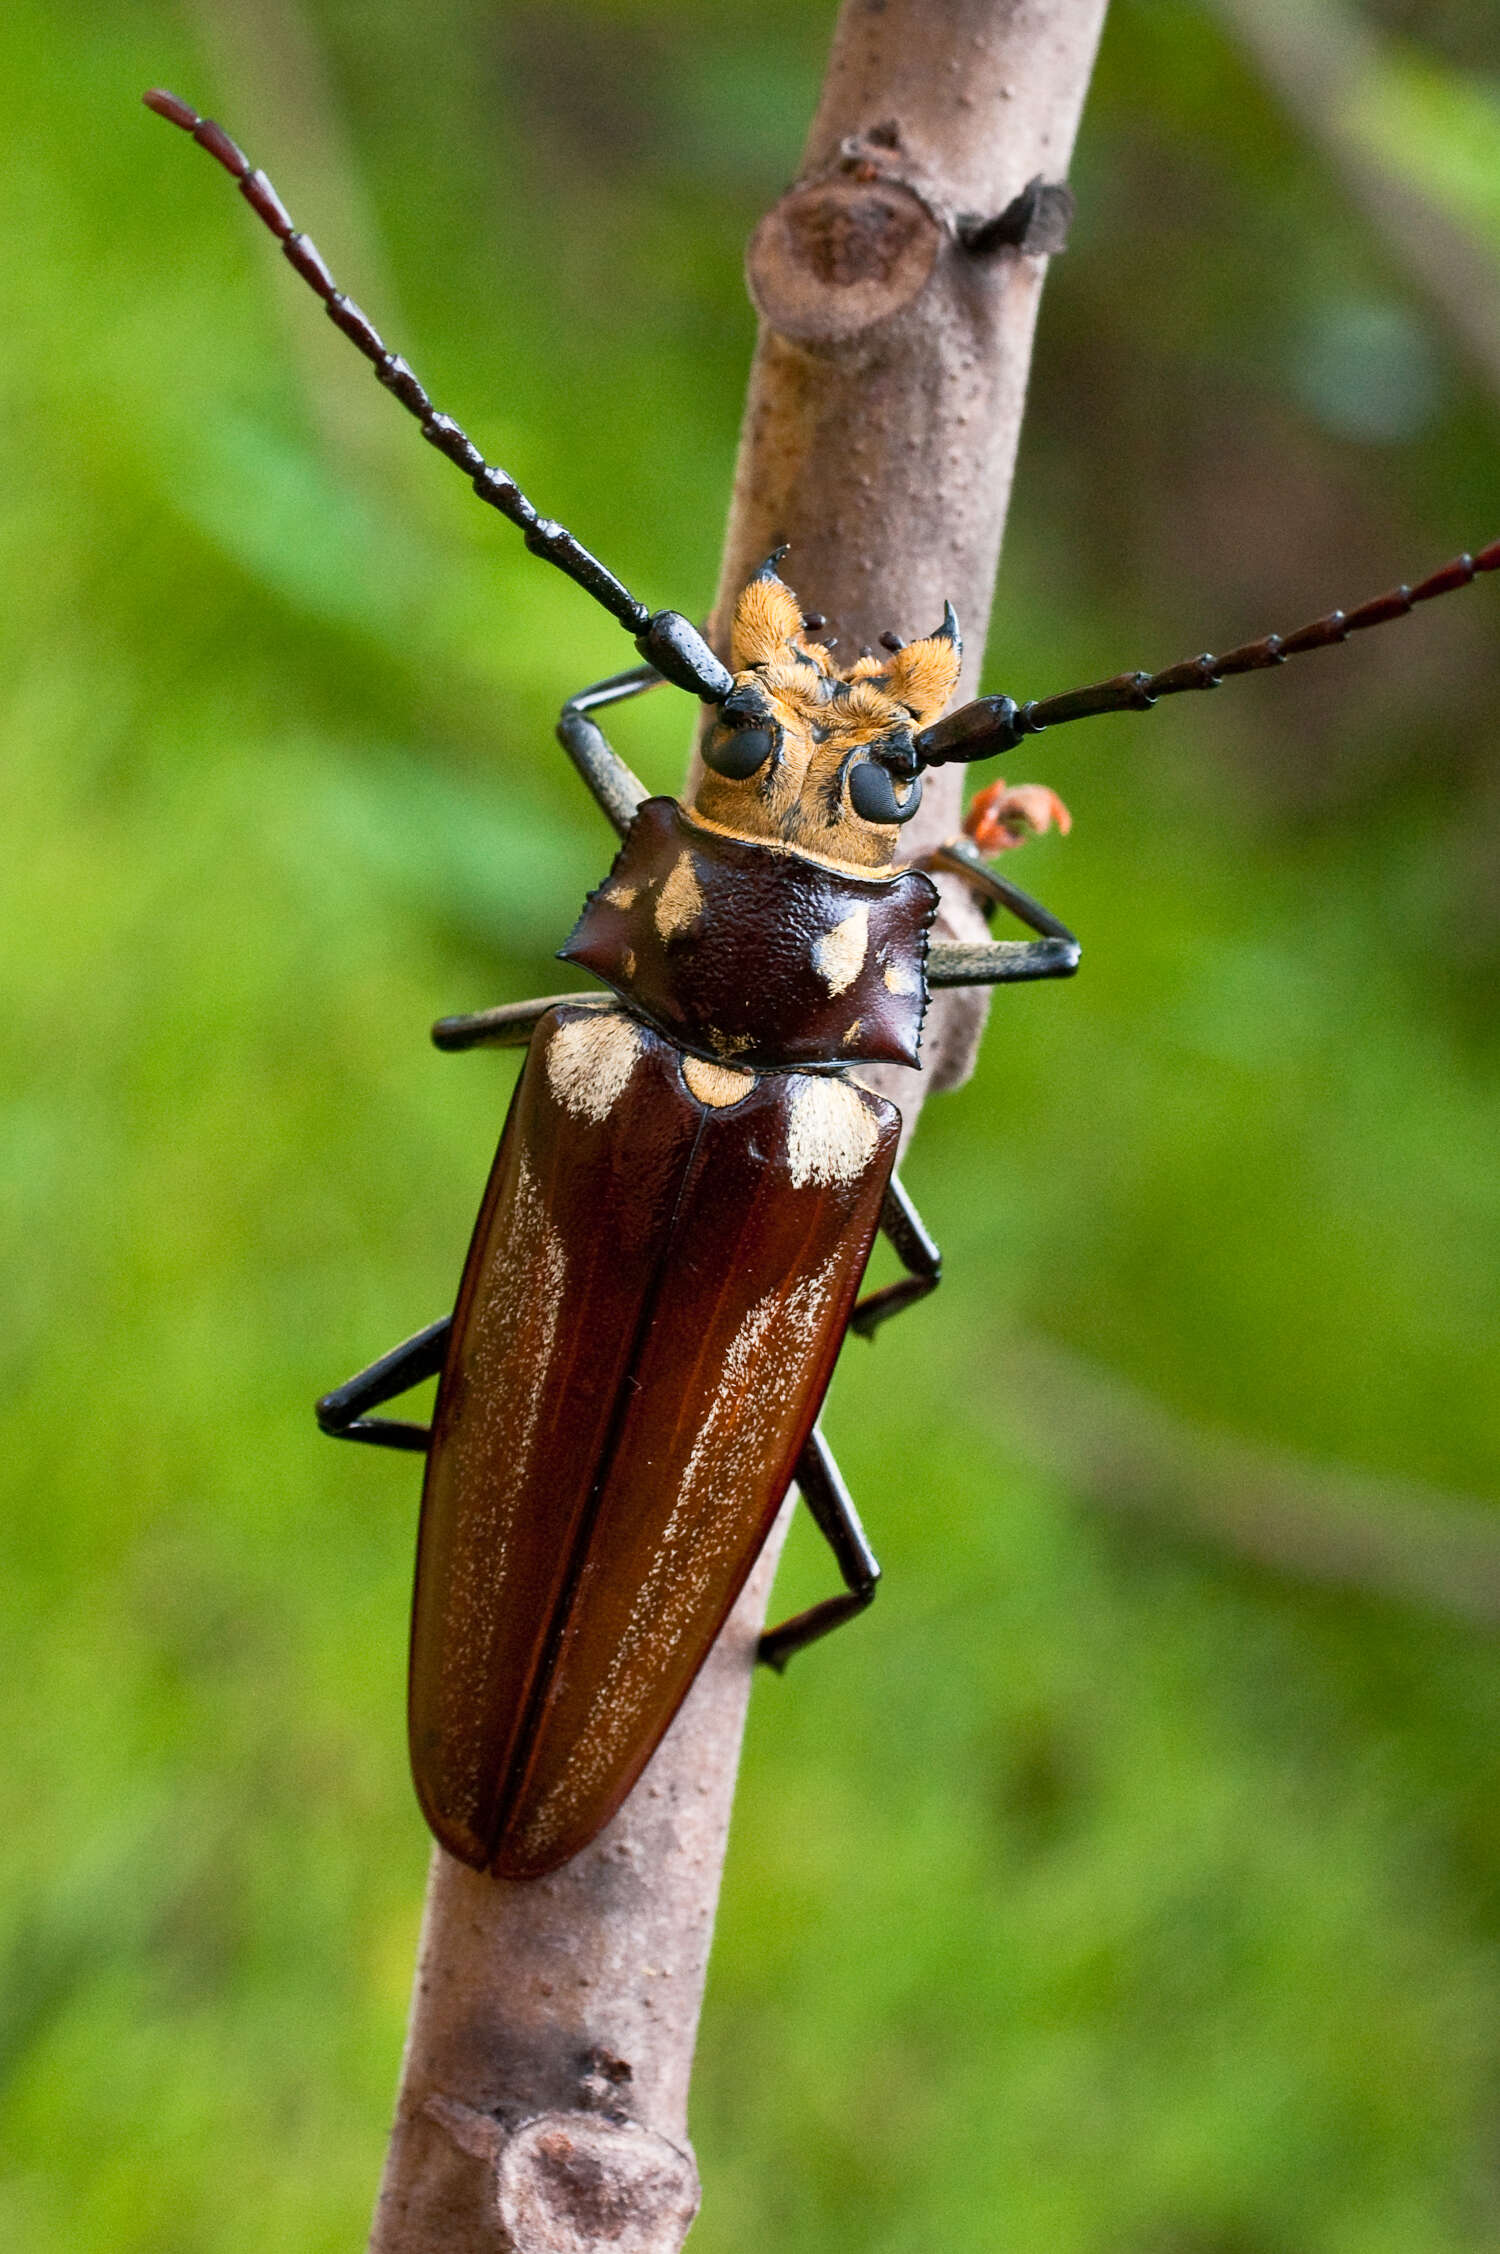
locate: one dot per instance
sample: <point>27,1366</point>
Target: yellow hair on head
<point>767,622</point>
<point>924,676</point>
<point>867,703</point>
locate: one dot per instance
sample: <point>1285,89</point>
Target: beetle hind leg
<point>902,1225</point>
<point>341,1413</point>
<point>837,1520</point>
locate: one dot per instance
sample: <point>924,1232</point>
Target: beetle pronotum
<point>691,1177</point>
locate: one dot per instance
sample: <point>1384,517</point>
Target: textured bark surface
<point>543,2104</point>
<point>886,397</point>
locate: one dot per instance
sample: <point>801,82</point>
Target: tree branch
<point>544,2090</point>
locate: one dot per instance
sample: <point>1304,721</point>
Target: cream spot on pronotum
<point>853,1033</point>
<point>831,1135</point>
<point>619,895</point>
<point>838,955</point>
<point>900,977</point>
<point>681,898</point>
<point>589,1061</point>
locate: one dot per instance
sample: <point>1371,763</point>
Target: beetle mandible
<point>691,1176</point>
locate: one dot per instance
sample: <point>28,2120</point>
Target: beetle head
<point>802,753</point>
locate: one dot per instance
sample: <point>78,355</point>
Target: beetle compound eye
<point>872,794</point>
<point>737,752</point>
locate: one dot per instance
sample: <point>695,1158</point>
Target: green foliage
<point>1094,1895</point>
<point>1437,127</point>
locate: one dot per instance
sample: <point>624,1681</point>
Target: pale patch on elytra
<point>765,1365</point>
<point>717,1085</point>
<point>590,1060</point>
<point>512,1334</point>
<point>840,953</point>
<point>681,900</point>
<point>900,977</point>
<point>831,1135</point>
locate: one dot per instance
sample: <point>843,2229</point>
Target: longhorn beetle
<point>691,1177</point>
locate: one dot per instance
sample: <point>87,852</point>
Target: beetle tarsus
<point>903,1227</point>
<point>341,1413</point>
<point>382,1432</point>
<point>837,1520</point>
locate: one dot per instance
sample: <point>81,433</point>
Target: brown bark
<point>544,2091</point>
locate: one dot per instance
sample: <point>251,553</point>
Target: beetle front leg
<point>902,1225</point>
<point>341,1413</point>
<point>1002,961</point>
<point>837,1520</point>
<point>997,962</point>
<point>617,791</point>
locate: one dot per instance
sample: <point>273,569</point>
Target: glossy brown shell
<point>652,1306</point>
<point>758,956</point>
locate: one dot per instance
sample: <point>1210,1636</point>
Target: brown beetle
<point>666,1262</point>
<point>691,1177</point>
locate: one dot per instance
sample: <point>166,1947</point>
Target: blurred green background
<point>1129,1881</point>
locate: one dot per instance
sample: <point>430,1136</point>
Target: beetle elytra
<point>691,1177</point>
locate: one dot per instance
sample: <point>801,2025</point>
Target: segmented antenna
<point>1135,692</point>
<point>998,724</point>
<point>668,640</point>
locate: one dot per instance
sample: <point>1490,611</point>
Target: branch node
<point>569,2183</point>
<point>1036,222</point>
<point>478,2134</point>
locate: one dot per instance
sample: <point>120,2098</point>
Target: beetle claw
<point>1001,816</point>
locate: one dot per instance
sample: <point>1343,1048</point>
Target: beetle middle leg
<point>837,1520</point>
<point>341,1413</point>
<point>903,1226</point>
<point>510,1025</point>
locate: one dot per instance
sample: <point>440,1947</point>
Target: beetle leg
<point>1002,961</point>
<point>837,1520</point>
<point>341,1412</point>
<point>999,961</point>
<point>616,789</point>
<point>510,1025</point>
<point>902,1224</point>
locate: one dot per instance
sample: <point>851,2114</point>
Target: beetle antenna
<point>996,724</point>
<point>669,641</point>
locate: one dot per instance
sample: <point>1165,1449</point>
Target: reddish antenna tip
<point>171,107</point>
